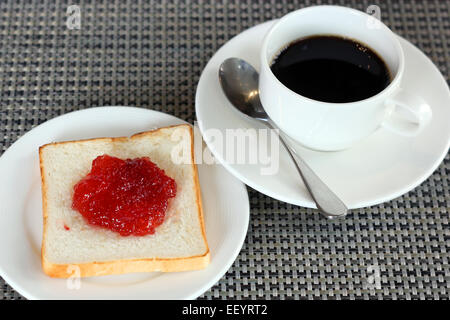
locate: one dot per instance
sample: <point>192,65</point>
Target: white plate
<point>380,168</point>
<point>225,202</point>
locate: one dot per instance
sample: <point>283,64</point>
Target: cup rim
<point>392,86</point>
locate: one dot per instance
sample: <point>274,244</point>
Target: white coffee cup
<point>336,126</point>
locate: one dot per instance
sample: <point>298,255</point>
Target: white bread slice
<point>178,244</point>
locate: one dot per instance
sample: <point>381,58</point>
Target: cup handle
<point>408,114</point>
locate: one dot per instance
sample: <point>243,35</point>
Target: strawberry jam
<point>128,196</point>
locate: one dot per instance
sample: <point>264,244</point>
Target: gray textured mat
<point>151,55</point>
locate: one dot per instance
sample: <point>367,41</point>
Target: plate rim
<point>17,286</point>
<point>308,203</point>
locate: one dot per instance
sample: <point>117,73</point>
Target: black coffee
<point>331,69</point>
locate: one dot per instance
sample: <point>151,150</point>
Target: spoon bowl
<point>239,81</point>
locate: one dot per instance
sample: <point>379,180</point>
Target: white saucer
<point>225,203</point>
<point>378,169</point>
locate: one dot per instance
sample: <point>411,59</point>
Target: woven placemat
<point>151,55</point>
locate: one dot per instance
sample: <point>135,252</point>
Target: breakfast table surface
<point>151,54</point>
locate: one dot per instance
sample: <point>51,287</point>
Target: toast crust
<point>126,265</point>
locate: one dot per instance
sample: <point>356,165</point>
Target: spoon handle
<point>326,200</point>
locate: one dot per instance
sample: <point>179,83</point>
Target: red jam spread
<point>126,196</point>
